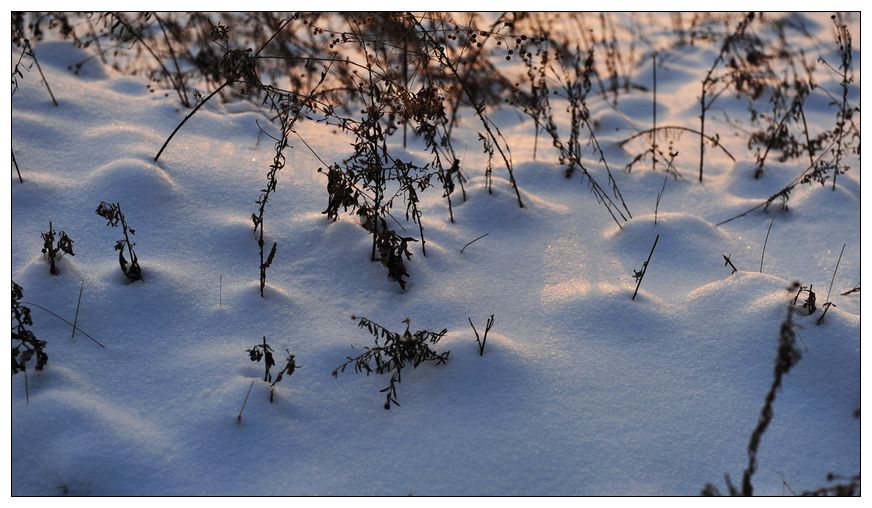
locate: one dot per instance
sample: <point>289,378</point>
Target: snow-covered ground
<point>581,390</point>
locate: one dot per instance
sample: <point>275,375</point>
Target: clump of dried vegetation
<point>395,352</point>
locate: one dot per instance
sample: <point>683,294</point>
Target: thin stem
<point>78,304</point>
<point>244,402</point>
<point>783,192</point>
<point>706,137</point>
<point>204,101</point>
<point>479,109</point>
<point>828,303</point>
<point>15,162</point>
<point>181,81</point>
<point>645,267</point>
<point>764,244</point>
<point>728,261</point>
<point>39,68</point>
<point>472,242</point>
<point>702,129</point>
<point>188,116</point>
<point>65,321</point>
<point>176,86</point>
<point>654,122</point>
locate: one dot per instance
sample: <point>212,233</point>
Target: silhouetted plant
<point>481,341</point>
<point>54,252</point>
<point>850,487</point>
<point>573,76</point>
<point>493,133</point>
<point>264,352</point>
<point>25,345</point>
<point>788,356</point>
<point>855,289</point>
<point>640,273</point>
<point>289,368</point>
<point>809,304</point>
<point>27,51</point>
<point>113,215</point>
<point>740,63</point>
<point>396,352</point>
<point>776,134</point>
<point>670,170</point>
<point>827,304</point>
<point>766,241</point>
<point>817,171</point>
<point>729,262</point>
<point>845,116</point>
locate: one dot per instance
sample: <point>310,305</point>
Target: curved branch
<point>713,141</point>
<point>188,116</point>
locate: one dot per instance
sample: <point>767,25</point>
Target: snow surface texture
<point>581,390</point>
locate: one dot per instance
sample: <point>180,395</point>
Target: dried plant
<point>809,304</point>
<point>845,116</point>
<point>54,251</point>
<point>729,262</point>
<point>113,215</point>
<point>787,357</point>
<point>640,273</point>
<point>395,352</point>
<point>25,345</point>
<point>827,304</point>
<point>743,56</point>
<point>481,341</point>
<point>264,352</point>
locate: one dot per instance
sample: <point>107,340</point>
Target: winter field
<point>288,206</point>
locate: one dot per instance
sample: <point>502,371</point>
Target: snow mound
<point>688,252</point>
<point>141,183</point>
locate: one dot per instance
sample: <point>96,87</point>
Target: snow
<point>580,391</point>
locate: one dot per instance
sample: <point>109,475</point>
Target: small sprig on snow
<point>54,252</point>
<point>396,352</point>
<point>729,262</point>
<point>25,344</point>
<point>264,352</point>
<point>810,300</point>
<point>112,213</point>
<point>289,368</point>
<point>640,273</point>
<point>481,341</point>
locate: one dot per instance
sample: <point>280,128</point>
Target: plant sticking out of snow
<point>25,344</point>
<point>670,169</point>
<point>640,273</point>
<point>112,213</point>
<point>481,341</point>
<point>729,262</point>
<point>54,252</point>
<point>788,356</point>
<point>845,117</point>
<point>572,72</point>
<point>28,345</point>
<point>855,289</point>
<point>810,300</point>
<point>740,63</point>
<point>396,352</point>
<point>829,303</point>
<point>264,352</point>
<point>289,368</point>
